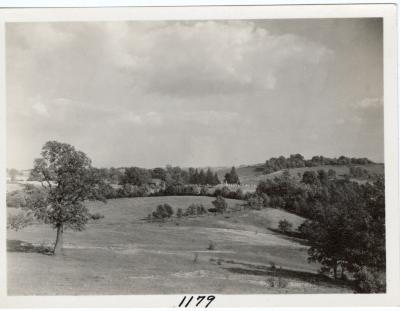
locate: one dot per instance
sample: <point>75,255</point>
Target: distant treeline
<point>133,182</point>
<point>297,160</point>
<point>133,191</point>
<point>170,175</point>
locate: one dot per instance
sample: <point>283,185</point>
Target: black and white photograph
<point>231,156</point>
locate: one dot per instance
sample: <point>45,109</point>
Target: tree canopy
<point>68,179</point>
<point>232,177</point>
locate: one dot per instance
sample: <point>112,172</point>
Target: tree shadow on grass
<point>290,236</point>
<point>17,246</point>
<point>303,276</point>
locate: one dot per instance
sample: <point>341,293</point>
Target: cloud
<point>208,118</point>
<point>40,109</point>
<point>224,91</point>
<point>151,118</point>
<point>202,58</point>
<point>369,102</point>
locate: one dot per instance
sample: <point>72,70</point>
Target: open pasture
<point>121,254</point>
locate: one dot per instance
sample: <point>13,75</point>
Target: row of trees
<point>18,198</point>
<point>170,175</point>
<point>203,178</point>
<point>297,160</point>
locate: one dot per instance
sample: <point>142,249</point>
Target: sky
<point>195,93</point>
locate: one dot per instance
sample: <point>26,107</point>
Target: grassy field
<point>120,254</point>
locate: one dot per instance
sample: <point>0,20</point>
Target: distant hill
<point>252,174</point>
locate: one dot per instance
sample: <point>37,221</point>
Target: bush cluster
<point>285,225</point>
<point>195,210</point>
<point>163,211</point>
<point>370,281</point>
<point>19,221</point>
<point>16,199</point>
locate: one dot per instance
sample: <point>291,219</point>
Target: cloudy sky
<point>206,93</point>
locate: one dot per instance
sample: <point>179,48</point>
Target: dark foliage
<point>297,160</point>
<point>346,220</point>
<point>195,210</point>
<point>358,172</point>
<point>163,211</point>
<point>285,225</point>
<point>136,176</point>
<point>68,179</point>
<point>96,216</point>
<point>220,204</point>
<point>232,177</point>
<point>370,281</point>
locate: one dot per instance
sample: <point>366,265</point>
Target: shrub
<point>211,246</point>
<point>16,199</point>
<point>282,283</point>
<point>200,209</point>
<point>191,210</point>
<point>19,221</point>
<point>96,216</point>
<point>169,210</point>
<point>212,210</point>
<point>266,199</point>
<point>220,204</point>
<point>239,194</point>
<point>285,225</point>
<point>277,282</point>
<point>163,211</point>
<point>225,191</point>
<point>370,281</point>
<point>179,213</point>
<point>255,202</point>
<point>271,281</point>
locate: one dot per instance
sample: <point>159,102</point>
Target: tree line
<point>170,175</point>
<point>297,160</point>
<point>345,224</point>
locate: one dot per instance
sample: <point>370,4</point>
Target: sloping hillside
<point>120,254</point>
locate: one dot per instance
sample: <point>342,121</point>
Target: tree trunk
<point>335,271</point>
<point>58,247</point>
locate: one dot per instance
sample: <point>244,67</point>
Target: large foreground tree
<point>68,179</point>
<point>347,228</point>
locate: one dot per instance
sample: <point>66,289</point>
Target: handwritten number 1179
<point>186,303</point>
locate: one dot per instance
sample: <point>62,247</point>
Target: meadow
<point>232,253</point>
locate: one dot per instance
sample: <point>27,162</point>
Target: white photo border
<point>391,150</point>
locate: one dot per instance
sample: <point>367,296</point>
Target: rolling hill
<point>253,174</point>
<point>121,254</point>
